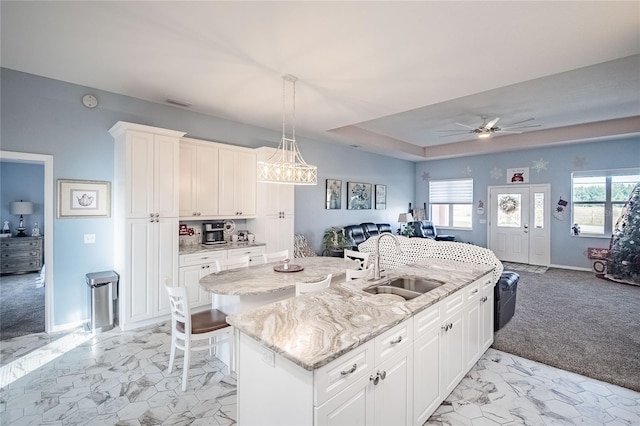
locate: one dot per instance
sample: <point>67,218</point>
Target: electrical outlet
<point>268,357</point>
<point>89,238</point>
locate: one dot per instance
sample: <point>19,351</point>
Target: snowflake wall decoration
<point>467,171</point>
<point>426,176</point>
<point>579,163</point>
<point>540,165</point>
<point>496,173</point>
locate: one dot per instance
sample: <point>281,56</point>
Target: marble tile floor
<point>120,378</point>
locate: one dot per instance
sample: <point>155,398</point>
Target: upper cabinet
<point>151,169</point>
<point>237,182</point>
<point>198,179</point>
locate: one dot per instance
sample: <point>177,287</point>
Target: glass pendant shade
<point>286,165</point>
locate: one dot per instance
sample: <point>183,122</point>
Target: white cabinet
<point>198,179</point>
<point>473,326</point>
<point>145,213</point>
<point>486,314</point>
<point>254,253</point>
<point>237,182</point>
<point>192,268</point>
<point>426,366</point>
<point>274,223</point>
<point>452,354</point>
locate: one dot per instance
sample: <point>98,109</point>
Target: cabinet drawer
<point>426,320</point>
<point>453,303</point>
<point>485,282</point>
<point>20,244</point>
<point>342,372</point>
<point>20,266</point>
<point>22,254</point>
<point>392,341</point>
<point>472,292</point>
<point>202,258</point>
<point>254,253</point>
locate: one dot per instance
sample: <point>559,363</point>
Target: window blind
<point>452,191</point>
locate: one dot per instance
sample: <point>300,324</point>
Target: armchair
<point>426,229</point>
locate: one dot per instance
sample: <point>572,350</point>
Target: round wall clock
<point>89,101</point>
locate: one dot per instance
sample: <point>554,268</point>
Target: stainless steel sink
<point>387,289</point>
<point>417,284</point>
<point>407,287</point>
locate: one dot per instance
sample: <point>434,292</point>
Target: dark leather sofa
<point>426,229</point>
<point>360,233</point>
<point>504,296</point>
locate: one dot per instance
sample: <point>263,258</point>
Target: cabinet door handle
<point>396,341</point>
<point>353,368</point>
<point>375,379</point>
<point>194,214</point>
<point>382,374</point>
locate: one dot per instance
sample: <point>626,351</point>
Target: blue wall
<point>45,116</point>
<point>566,250</point>
<point>22,181</point>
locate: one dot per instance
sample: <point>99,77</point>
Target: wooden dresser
<point>20,254</point>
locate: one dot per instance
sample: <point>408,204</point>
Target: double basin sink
<point>407,287</point>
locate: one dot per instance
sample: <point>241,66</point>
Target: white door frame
<point>545,232</point>
<point>47,161</point>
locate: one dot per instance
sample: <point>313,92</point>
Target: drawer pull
<point>375,379</point>
<point>394,342</point>
<point>351,370</point>
<point>474,291</point>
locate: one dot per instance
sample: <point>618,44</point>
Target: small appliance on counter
<point>213,233</point>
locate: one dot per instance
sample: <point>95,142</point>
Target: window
<point>451,203</point>
<point>598,198</point>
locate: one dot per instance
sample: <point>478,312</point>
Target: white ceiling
<point>381,75</point>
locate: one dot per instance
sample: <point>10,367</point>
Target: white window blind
<point>453,191</point>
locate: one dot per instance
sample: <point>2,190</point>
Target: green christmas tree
<point>623,263</point>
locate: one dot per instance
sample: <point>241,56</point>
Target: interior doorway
<point>48,207</point>
<point>518,229</point>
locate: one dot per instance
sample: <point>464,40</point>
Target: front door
<point>519,223</point>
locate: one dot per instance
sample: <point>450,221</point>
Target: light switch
<point>89,238</point>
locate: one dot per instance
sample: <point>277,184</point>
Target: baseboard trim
<point>573,268</point>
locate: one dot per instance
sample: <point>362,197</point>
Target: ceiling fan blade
<point>464,125</point>
<point>455,134</point>
<point>519,122</point>
<point>521,127</point>
<point>456,130</point>
<point>508,131</point>
<point>492,123</point>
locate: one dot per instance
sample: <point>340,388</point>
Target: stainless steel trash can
<point>103,295</point>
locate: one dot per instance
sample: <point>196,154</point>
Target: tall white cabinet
<point>274,223</point>
<point>145,210</point>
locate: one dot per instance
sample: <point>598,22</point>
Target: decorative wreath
<point>508,204</point>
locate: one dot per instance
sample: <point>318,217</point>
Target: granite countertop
<point>262,279</point>
<point>201,248</point>
<point>313,329</point>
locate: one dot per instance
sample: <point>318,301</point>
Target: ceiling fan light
<point>484,135</point>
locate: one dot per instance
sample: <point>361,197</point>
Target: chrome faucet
<point>376,268</point>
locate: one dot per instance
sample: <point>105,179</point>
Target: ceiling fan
<point>490,127</point>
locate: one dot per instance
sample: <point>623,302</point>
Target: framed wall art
<point>84,198</point>
<point>358,196</point>
<point>334,194</point>
<point>381,197</point>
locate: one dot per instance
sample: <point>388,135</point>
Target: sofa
<point>416,249</point>
<point>358,234</point>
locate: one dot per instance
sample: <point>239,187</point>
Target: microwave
<point>213,233</point>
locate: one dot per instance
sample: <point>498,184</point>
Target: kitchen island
<point>331,354</point>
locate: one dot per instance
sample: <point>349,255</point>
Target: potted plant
<point>334,242</point>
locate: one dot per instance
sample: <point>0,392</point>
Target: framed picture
<point>520,175</point>
<point>84,198</point>
<point>334,194</point>
<point>358,196</point>
<point>381,197</point>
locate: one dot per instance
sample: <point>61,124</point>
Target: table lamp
<point>21,208</point>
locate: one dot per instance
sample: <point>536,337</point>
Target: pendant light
<point>286,165</point>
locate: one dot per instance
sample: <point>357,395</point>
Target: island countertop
<point>313,329</point>
<point>262,279</point>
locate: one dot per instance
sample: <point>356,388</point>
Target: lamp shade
<point>405,218</point>
<point>21,207</point>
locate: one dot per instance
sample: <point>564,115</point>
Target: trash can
<point>102,297</point>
